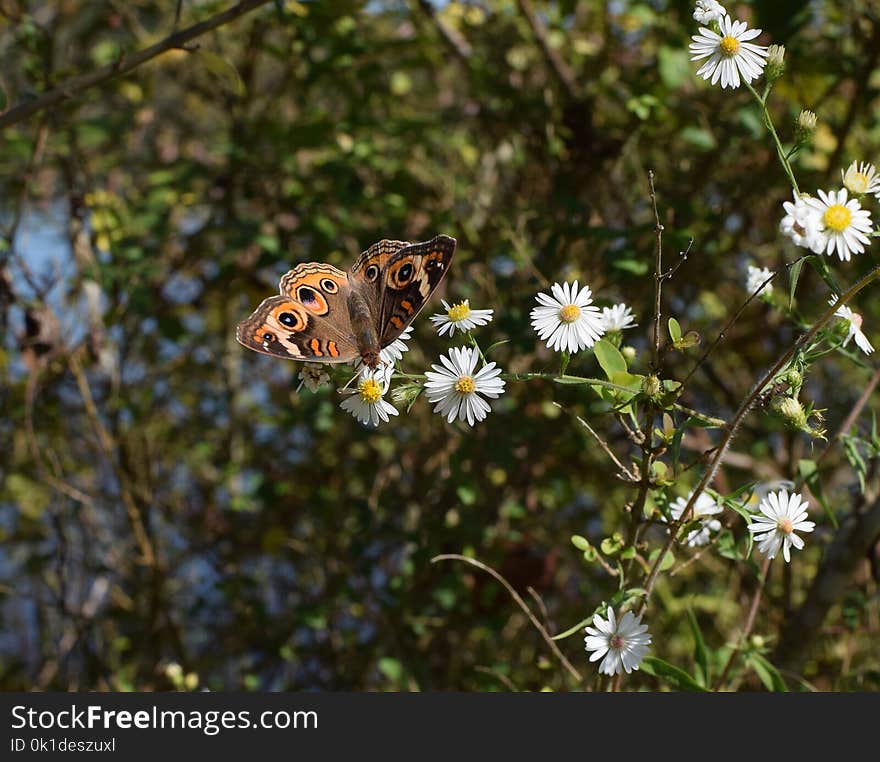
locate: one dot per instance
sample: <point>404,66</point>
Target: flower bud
<point>790,411</point>
<point>775,62</point>
<point>629,353</point>
<point>651,386</point>
<point>806,125</point>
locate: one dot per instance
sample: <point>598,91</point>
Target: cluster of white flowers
<point>568,321</point>
<point>455,386</point>
<point>703,511</point>
<point>757,277</point>
<point>832,223</point>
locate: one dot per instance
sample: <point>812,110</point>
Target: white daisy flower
<point>313,376</point>
<point>845,224</point>
<point>704,507</point>
<point>781,514</point>
<point>459,316</point>
<point>756,277</point>
<point>567,321</point>
<point>366,403</point>
<point>861,178</point>
<point>618,318</point>
<point>803,225</point>
<point>623,644</point>
<point>708,11</point>
<point>854,320</point>
<point>730,55</point>
<point>456,388</point>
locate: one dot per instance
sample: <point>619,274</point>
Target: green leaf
<point>391,668</point>
<point>31,497</point>
<point>701,653</point>
<point>668,559</point>
<point>581,543</point>
<point>609,358</point>
<point>674,330</point>
<point>496,344</point>
<point>767,673</point>
<point>671,674</point>
<point>224,70</point>
<point>572,630</point>
<point>794,275</point>
<point>810,474</point>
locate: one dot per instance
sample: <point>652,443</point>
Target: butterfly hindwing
<point>308,321</point>
<point>407,282</point>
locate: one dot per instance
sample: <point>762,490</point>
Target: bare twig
<point>558,66</point>
<point>602,443</point>
<point>519,602</point>
<point>729,324</point>
<point>658,270</point>
<point>451,36</point>
<point>75,85</point>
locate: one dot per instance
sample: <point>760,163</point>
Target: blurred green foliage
<point>290,546</point>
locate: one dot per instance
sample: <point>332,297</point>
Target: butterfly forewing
<point>407,282</point>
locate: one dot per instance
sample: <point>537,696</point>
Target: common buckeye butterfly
<point>329,316</point>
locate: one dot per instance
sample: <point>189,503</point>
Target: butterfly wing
<point>407,281</point>
<point>308,321</point>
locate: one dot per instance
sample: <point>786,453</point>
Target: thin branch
<point>519,602</point>
<point>658,270</point>
<point>75,85</point>
<point>729,324</point>
<point>557,65</point>
<point>602,443</point>
<point>451,36</point>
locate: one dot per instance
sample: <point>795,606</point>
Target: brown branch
<point>519,602</point>
<point>75,85</point>
<point>559,67</point>
<point>451,36</point>
<point>658,269</point>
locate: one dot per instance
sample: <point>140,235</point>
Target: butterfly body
<point>323,314</point>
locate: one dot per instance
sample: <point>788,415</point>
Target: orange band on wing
<point>315,346</point>
<point>332,349</point>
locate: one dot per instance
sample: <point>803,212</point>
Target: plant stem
<point>768,123</point>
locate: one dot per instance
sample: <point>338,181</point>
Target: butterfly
<point>326,315</point>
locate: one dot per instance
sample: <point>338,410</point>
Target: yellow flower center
<point>569,313</point>
<point>857,182</point>
<point>465,385</point>
<point>785,526</point>
<point>837,217</point>
<point>458,311</point>
<point>370,391</point>
<point>729,45</point>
